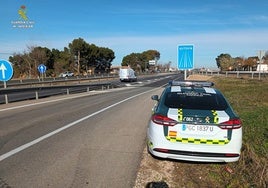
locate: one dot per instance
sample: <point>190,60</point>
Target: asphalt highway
<point>93,139</point>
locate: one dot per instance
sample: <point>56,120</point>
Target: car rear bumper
<point>159,146</point>
<point>193,156</point>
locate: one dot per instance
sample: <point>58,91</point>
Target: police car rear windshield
<point>195,100</point>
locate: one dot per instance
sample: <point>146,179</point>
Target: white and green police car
<point>193,121</point>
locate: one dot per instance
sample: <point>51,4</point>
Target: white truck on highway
<point>127,74</point>
<point>262,67</point>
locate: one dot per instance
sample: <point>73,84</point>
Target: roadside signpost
<point>6,73</point>
<point>6,70</point>
<point>185,58</point>
<point>42,69</point>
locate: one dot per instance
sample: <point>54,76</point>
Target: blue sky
<point>237,27</point>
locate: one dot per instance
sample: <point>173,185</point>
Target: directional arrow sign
<point>185,57</point>
<point>42,68</point>
<point>6,70</point>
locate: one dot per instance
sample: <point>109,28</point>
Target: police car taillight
<point>231,124</point>
<point>163,120</point>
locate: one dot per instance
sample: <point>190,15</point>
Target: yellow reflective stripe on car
<point>197,141</point>
<point>150,144</point>
<point>215,115</point>
<point>180,115</point>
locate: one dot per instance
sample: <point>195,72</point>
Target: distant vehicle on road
<point>66,74</point>
<point>127,74</point>
<point>262,67</point>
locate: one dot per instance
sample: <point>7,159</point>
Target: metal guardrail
<point>249,74</point>
<point>238,74</point>
<point>26,93</point>
<point>18,90</point>
<point>55,81</point>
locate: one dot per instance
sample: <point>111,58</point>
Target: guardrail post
<point>6,99</point>
<point>36,95</point>
<point>68,91</point>
<point>252,75</point>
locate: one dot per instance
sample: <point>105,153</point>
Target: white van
<point>262,67</point>
<point>127,74</point>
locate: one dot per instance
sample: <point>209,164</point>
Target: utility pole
<point>78,62</point>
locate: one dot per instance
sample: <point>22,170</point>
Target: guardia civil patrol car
<point>193,121</point>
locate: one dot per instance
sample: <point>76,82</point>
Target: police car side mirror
<point>155,97</point>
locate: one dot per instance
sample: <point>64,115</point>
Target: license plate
<point>199,129</point>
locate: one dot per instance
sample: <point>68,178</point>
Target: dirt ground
<point>158,173</point>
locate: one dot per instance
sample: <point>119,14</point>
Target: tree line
<point>82,58</point>
<point>140,61</point>
<point>226,62</point>
<point>79,57</point>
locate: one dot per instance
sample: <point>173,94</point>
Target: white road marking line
<point>27,145</point>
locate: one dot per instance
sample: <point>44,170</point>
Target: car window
<point>195,100</point>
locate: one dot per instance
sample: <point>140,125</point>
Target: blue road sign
<point>185,57</point>
<point>6,70</point>
<point>42,68</point>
